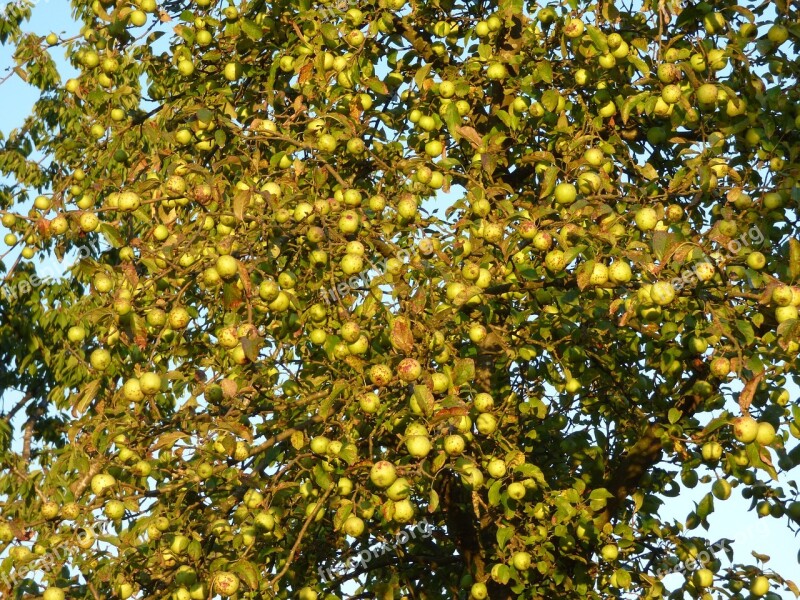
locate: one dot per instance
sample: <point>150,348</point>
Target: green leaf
<point>247,572</point>
<point>746,329</point>
<point>503,535</point>
<point>463,371</point>
<point>251,29</point>
<point>674,415</point>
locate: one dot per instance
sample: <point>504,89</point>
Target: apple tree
<point>399,299</point>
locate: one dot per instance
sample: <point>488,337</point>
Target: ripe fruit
<point>496,71</point>
<point>609,552</point>
<point>53,593</point>
<point>555,261</point>
<point>662,293</point>
<point>565,193</point>
<point>721,489</point>
<point>765,434</point>
<point>49,510</point>
<point>703,578</point>
<point>646,218</point>
<point>759,586</point>
<point>101,482</point>
<point>380,375</point>
<point>418,446</point>
<point>486,423</point>
<point>132,390</point>
<point>409,369</point>
<point>353,526</point>
<point>150,383</point>
<point>516,490</point>
<point>232,71</point>
<point>478,591</point>
<point>114,510</point>
<point>383,474</point>
<point>620,272</point>
<point>227,266</point>
<point>454,444</point>
<point>711,451</point>
<point>226,584</point>
<point>745,429</point>
<point>178,318</point>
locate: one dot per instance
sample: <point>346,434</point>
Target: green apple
<point>745,429</point>
<point>409,369</point>
<point>225,583</point>
<point>516,490</point>
<point>759,586</point>
<point>101,482</point>
<point>383,474</point>
<point>353,526</point>
<point>454,444</point>
<point>486,423</point>
<point>521,561</point>
<point>703,578</point>
<point>53,593</point>
<point>496,71</point>
<point>479,591</point>
<point>227,266</point>
<point>114,510</point>
<point>132,390</point>
<point>555,261</point>
<point>565,193</point>
<point>646,218</point>
<point>418,446</point>
<point>609,552</point>
<point>662,293</point>
<point>765,434</point>
<point>399,489</point>
<point>619,272</point>
<point>150,383</point>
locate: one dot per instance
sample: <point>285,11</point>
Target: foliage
<point>488,269</point>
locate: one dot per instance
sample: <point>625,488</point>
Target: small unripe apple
<point>555,261</point>
<point>620,272</point>
<point>50,510</point>
<point>782,295</point>
<point>609,552</point>
<point>227,266</point>
<point>705,271</point>
<point>496,468</point>
<point>496,71</point>
<point>100,358</point>
<point>399,489</point>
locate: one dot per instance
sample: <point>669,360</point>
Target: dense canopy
<point>398,299</point>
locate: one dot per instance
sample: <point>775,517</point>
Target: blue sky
<point>731,519</point>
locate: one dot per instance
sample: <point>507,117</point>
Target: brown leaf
<point>305,73</point>
<point>473,137</point>
<point>746,395</point>
<point>229,387</point>
<point>401,337</point>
